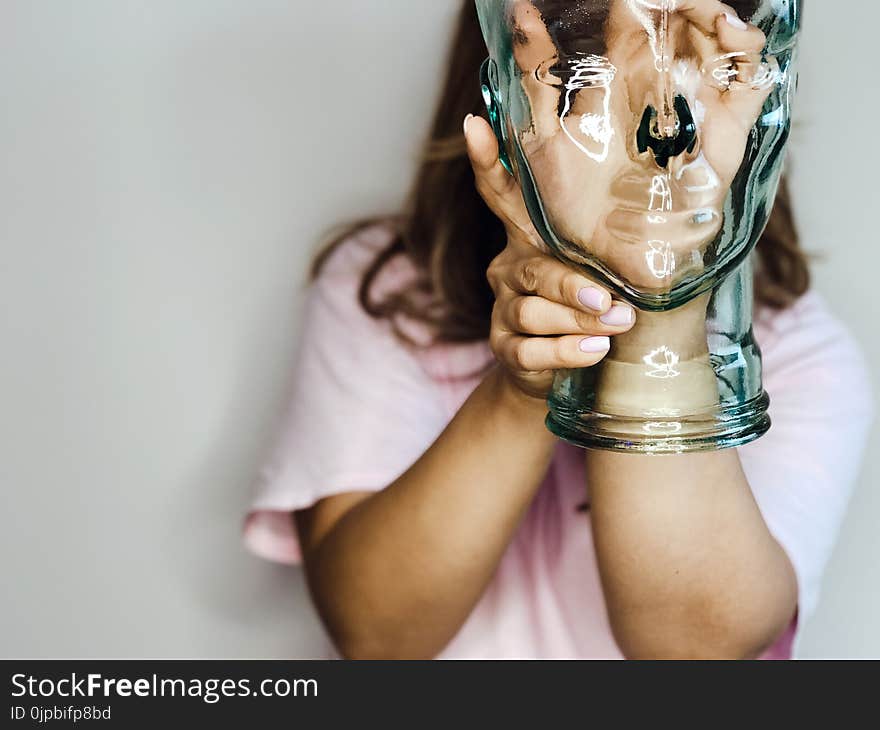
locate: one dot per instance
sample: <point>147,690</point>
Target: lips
<point>679,208</point>
<point>683,230</point>
<point>693,187</point>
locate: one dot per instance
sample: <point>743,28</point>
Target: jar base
<point>714,430</point>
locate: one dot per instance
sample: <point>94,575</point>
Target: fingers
<point>534,316</point>
<point>703,13</point>
<point>496,186</point>
<point>734,34</point>
<point>734,50</point>
<point>482,148</point>
<point>716,19</point>
<point>536,354</point>
<point>754,78</point>
<point>548,316</point>
<point>545,277</point>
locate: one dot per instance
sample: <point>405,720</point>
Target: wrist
<point>507,394</point>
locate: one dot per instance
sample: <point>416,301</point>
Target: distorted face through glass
<point>646,134</point>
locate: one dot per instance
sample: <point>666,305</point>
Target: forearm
<point>688,566</point>
<point>401,571</point>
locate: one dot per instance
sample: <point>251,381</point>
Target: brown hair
<point>451,236</point>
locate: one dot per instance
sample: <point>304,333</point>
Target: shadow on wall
<point>255,608</point>
<point>226,113</point>
<point>265,605</point>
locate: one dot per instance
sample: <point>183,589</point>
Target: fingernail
<point>592,298</point>
<point>617,316</point>
<point>595,344</point>
<point>734,21</point>
<point>466,120</point>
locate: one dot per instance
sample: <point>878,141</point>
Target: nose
<point>667,143</point>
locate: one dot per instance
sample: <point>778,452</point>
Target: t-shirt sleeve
<point>361,408</point>
<point>803,471</point>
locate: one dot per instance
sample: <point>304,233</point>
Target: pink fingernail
<point>617,316</point>
<point>592,298</point>
<point>595,344</point>
<point>735,22</point>
<point>466,120</point>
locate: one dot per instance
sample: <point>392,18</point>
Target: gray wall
<point>166,169</point>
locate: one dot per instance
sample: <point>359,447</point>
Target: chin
<point>655,267</point>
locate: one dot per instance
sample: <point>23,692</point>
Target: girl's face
<point>633,152</point>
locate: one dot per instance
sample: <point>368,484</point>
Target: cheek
<point>542,103</point>
<point>575,196</point>
<point>575,186</point>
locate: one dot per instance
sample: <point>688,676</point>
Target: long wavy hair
<point>451,236</point>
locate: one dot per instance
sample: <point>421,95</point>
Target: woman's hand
<point>547,316</point>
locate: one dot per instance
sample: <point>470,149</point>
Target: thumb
<point>496,186</point>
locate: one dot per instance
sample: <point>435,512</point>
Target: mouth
<point>682,230</point>
<point>677,210</point>
<point>693,187</point>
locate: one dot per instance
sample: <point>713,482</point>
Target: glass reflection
<point>647,136</point>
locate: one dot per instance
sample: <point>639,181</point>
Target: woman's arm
<point>688,566</point>
<point>399,572</point>
<point>396,573</point>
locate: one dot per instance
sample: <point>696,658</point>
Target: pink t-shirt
<point>364,407</point>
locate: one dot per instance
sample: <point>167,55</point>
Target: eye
<point>578,72</point>
<point>546,73</point>
<point>588,72</point>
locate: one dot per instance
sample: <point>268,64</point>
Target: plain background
<point>166,168</point>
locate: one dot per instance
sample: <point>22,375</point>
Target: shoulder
<point>351,257</point>
<point>338,287</point>
<point>806,333</point>
<point>335,290</point>
<point>334,306</point>
<point>806,347</point>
